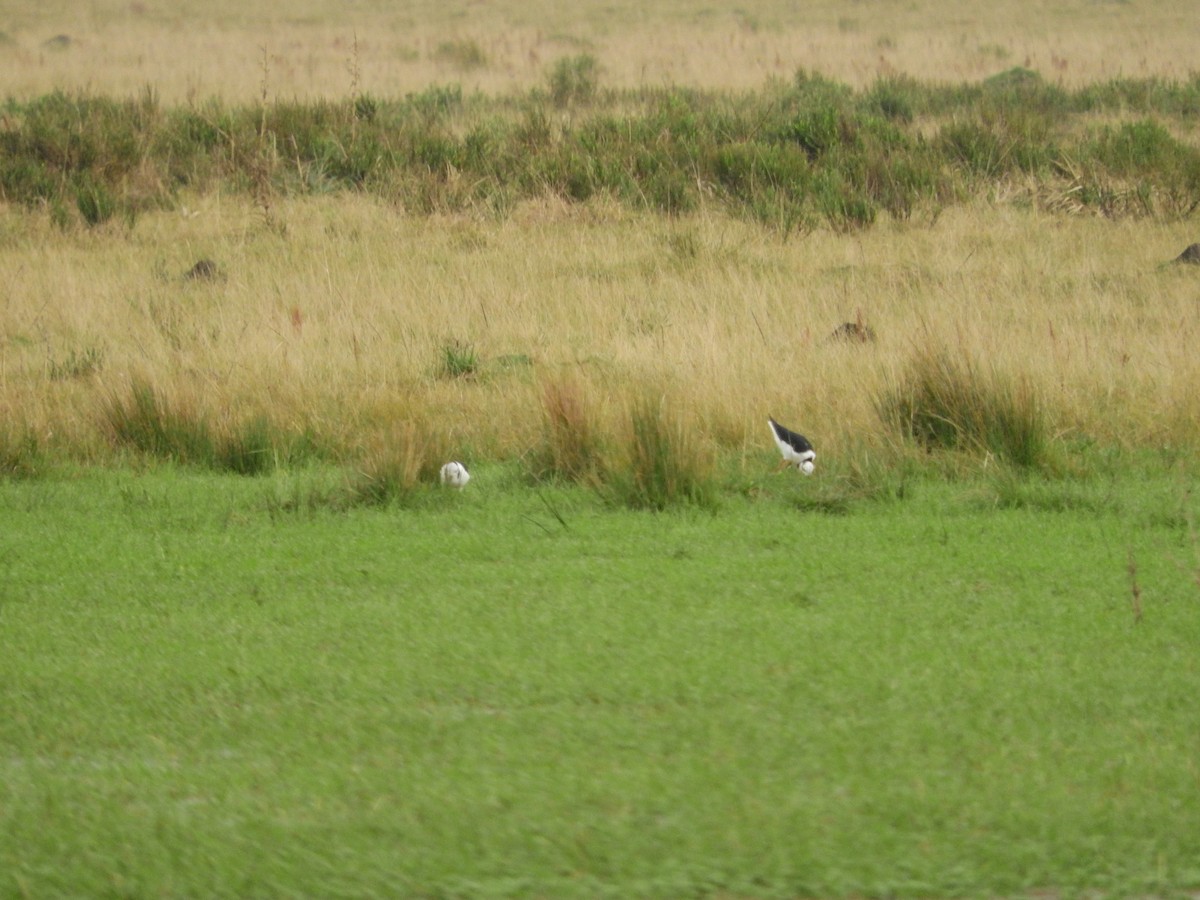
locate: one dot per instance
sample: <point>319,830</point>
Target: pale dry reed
<point>318,48</point>
<point>334,318</point>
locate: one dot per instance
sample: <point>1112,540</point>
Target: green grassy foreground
<point>208,693</point>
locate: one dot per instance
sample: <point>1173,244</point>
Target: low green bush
<point>810,152</point>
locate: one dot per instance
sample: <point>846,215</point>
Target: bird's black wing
<point>797,442</point>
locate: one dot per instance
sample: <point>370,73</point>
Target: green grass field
<point>212,688</point>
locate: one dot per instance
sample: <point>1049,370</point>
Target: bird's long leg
<point>783,464</point>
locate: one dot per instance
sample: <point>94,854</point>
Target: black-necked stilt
<point>455,474</point>
<point>796,449</point>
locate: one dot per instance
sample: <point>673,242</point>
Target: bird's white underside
<point>455,474</point>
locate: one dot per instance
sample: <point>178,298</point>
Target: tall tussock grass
<point>21,454</point>
<point>144,421</point>
<point>571,447</point>
<point>148,422</point>
<point>949,401</point>
<point>662,462</point>
<point>396,463</point>
<point>323,337</point>
<point>459,359</point>
<point>652,457</point>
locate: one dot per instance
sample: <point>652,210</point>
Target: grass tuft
<point>251,449</point>
<point>861,475</point>
<point>571,447</point>
<point>179,431</point>
<point>397,465</point>
<point>146,422</point>
<point>459,360</point>
<point>21,454</point>
<point>945,401</point>
<point>76,364</point>
<point>662,465</point>
<point>574,80</point>
<point>1014,489</point>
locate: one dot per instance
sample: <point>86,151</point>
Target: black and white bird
<point>796,449</point>
<point>455,474</point>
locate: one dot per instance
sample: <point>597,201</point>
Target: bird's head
<point>805,465</point>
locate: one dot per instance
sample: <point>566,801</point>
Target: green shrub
<point>789,155</point>
<point>571,173</point>
<point>1017,79</point>
<point>975,147</point>
<point>897,99</point>
<point>843,203</point>
<point>818,131</point>
<point>1144,95</point>
<point>1136,147</point>
<point>747,169</point>
<point>189,131</point>
<point>1161,173</point>
<point>902,183</point>
<point>669,191</point>
<point>351,163</point>
<point>192,145</point>
<point>24,179</point>
<point>435,153</point>
<point>810,89</point>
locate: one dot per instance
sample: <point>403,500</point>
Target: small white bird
<point>455,474</point>
<point>796,449</point>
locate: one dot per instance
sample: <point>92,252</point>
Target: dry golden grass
<point>318,48</point>
<point>336,316</point>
